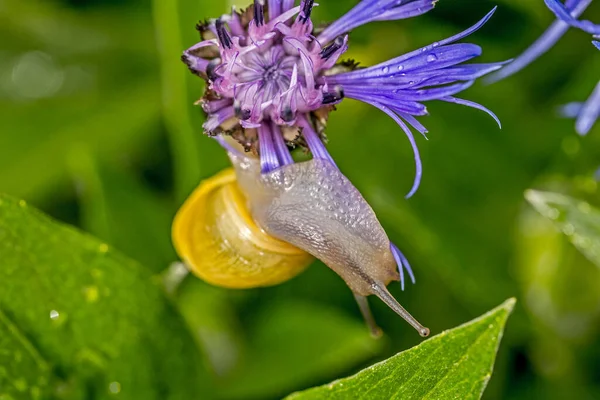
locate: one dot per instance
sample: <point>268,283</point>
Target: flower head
<point>567,13</point>
<point>273,79</point>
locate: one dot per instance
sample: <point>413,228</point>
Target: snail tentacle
<point>365,310</point>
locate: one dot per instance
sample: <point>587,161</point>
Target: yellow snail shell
<point>217,238</point>
<point>310,205</point>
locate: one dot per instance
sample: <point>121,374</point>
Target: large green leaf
<point>23,372</point>
<point>456,364</point>
<point>97,319</point>
<point>575,218</point>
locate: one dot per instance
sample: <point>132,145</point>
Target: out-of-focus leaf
<point>33,163</point>
<point>294,343</point>
<point>23,372</point>
<point>96,317</point>
<point>456,364</point>
<point>118,209</point>
<point>210,317</point>
<point>561,292</point>
<point>195,156</point>
<point>576,219</point>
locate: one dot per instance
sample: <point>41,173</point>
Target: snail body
<point>295,212</point>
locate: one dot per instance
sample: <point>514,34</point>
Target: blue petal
<point>541,45</point>
<point>472,104</point>
<point>402,263</point>
<point>268,153</point>
<point>374,10</point>
<point>590,112</point>
<point>597,44</point>
<point>563,14</point>
<point>413,143</point>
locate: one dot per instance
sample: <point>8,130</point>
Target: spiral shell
<point>217,238</point>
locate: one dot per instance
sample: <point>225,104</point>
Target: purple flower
<point>272,80</point>
<point>567,15</point>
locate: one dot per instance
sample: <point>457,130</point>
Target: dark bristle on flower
<point>287,114</point>
<point>307,6</point>
<point>202,26</point>
<point>332,48</point>
<point>222,33</point>
<point>240,112</point>
<point>259,12</point>
<point>333,97</point>
<point>210,69</point>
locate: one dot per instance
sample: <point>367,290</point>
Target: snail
<point>243,228</point>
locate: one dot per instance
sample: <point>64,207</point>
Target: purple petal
<point>472,104</point>
<point>283,154</point>
<point>421,61</point>
<point>402,263</point>
<point>541,45</point>
<point>413,143</point>
<point>570,110</point>
<point>274,8</point>
<point>597,44</point>
<point>268,155</point>
<point>374,10</point>
<point>563,14</point>
<point>316,146</point>
<point>590,112</point>
<point>214,120</point>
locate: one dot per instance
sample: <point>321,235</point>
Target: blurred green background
<point>98,130</point>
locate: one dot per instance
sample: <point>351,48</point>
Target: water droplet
<point>431,58</point>
<point>400,67</point>
<point>96,273</point>
<point>35,75</point>
<point>385,70</point>
<point>584,207</point>
<point>114,387</point>
<point>552,213</point>
<point>411,83</point>
<point>20,384</point>
<point>435,44</point>
<point>91,294</point>
<point>569,229</point>
<point>57,318</point>
<point>571,145</point>
<point>424,49</point>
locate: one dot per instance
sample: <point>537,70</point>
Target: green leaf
<point>96,317</point>
<point>294,343</point>
<point>456,364</point>
<point>108,197</point>
<point>23,372</point>
<point>575,218</point>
